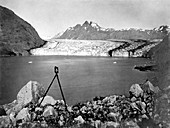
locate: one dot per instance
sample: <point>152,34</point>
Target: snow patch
<point>103,29</point>
<point>94,25</point>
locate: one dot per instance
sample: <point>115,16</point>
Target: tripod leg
<point>48,89</point>
<point>61,91</point>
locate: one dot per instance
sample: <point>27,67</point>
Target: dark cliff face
<point>92,31</point>
<point>17,36</point>
<point>162,59</point>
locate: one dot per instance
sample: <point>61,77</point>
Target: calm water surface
<point>81,77</point>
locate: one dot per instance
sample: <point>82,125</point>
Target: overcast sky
<point>49,17</point>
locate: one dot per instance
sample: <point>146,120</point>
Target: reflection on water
<point>81,77</point>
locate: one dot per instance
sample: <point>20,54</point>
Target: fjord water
<point>81,78</point>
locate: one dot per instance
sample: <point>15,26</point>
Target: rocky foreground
<point>113,111</point>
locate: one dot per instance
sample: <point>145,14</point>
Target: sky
<point>50,17</point>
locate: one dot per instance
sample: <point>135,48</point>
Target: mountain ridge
<point>17,37</point>
<point>92,31</point>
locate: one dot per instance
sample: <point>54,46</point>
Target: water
<point>81,77</point>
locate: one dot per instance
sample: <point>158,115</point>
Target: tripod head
<point>56,70</point>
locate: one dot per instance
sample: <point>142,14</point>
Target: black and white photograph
<point>84,64</point>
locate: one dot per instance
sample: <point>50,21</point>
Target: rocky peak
<point>164,28</point>
<point>91,25</point>
<point>17,36</point>
<point>85,23</point>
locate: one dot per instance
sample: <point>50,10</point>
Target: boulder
<point>23,115</point>
<point>69,109</point>
<point>142,106</point>
<point>12,118</point>
<point>47,100</point>
<point>61,120</point>
<point>49,111</point>
<point>110,99</point>
<point>79,119</point>
<point>133,99</point>
<point>61,102</point>
<point>148,86</point>
<point>83,109</point>
<point>134,106</point>
<point>113,116</point>
<point>4,121</point>
<point>31,92</point>
<point>14,109</point>
<point>9,106</point>
<point>136,90</point>
<point>61,123</point>
<point>38,109</point>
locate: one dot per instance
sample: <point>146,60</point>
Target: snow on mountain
<point>92,31</point>
<point>95,25</point>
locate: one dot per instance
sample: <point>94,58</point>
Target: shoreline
<point>145,68</point>
<point>1,56</point>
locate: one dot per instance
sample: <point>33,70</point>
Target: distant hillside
<point>92,31</point>
<point>17,37</point>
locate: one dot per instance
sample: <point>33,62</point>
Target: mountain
<point>17,37</point>
<point>89,39</point>
<point>92,31</point>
